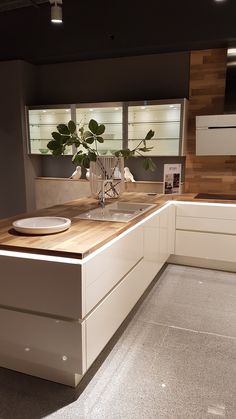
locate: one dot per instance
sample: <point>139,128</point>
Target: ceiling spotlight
<point>56,11</point>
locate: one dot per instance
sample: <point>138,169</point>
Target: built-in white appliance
<point>216,135</point>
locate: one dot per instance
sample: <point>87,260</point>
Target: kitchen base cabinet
<point>43,346</point>
<point>64,311</point>
<point>102,323</point>
<point>206,245</point>
<point>205,233</point>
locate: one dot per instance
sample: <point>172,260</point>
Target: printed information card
<point>172,179</point>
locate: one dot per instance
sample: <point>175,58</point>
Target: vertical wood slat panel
<point>206,97</point>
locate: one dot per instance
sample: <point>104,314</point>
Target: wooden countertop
<point>84,236</point>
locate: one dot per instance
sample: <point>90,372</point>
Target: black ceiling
<point>112,28</point>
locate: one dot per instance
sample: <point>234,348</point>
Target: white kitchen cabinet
<point>102,272</point>
<point>168,121</point>
<point>102,323</point>
<point>206,231</point>
<point>109,114</point>
<point>127,123</point>
<point>49,286</point>
<point>41,122</point>
<point>206,245</point>
<point>80,302</point>
<point>46,347</point>
<point>215,135</point>
<point>159,236</point>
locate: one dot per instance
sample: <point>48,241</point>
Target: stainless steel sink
<point>119,211</point>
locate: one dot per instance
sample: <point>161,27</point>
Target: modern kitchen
<point>118,211</point>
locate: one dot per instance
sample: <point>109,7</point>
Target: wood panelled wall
<point>206,97</point>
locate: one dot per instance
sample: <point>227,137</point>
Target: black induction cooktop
<point>215,196</point>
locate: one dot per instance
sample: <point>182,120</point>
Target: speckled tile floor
<point>175,358</point>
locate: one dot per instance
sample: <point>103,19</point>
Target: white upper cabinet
<point>216,135</point>
<point>41,123</point>
<point>109,114</point>
<point>166,118</point>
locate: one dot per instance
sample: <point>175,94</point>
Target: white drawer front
<point>206,245</point>
<point>171,229</point>
<point>205,211</point>
<point>41,342</point>
<point>206,224</point>
<point>41,286</point>
<point>153,222</point>
<point>102,323</point>
<point>152,239</point>
<point>107,268</point>
<point>152,244</point>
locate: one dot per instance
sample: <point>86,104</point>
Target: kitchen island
<point>64,295</point>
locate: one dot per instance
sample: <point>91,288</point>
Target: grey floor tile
<point>174,314</point>
<point>215,321</point>
<point>176,359</point>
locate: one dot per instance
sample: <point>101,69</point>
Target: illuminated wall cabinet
<point>126,123</point>
<point>109,114</point>
<point>42,121</point>
<point>166,118</point>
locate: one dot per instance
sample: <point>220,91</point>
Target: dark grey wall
<point>136,167</point>
<point>157,76</point>
<point>28,75</point>
<point>16,86</point>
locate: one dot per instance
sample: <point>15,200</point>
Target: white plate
<point>41,225</point>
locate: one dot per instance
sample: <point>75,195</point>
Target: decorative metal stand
<point>107,176</point>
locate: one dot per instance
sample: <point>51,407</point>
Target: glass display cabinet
<point>166,118</point>
<point>109,114</point>
<point>127,123</point>
<point>41,123</point>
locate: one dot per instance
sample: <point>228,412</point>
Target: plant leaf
<point>145,149</point>
<point>77,158</point>
<point>126,153</point>
<point>148,164</point>
<point>92,156</point>
<point>57,136</point>
<point>71,127</point>
<point>101,129</point>
<point>53,145</point>
<point>100,139</point>
<point>58,151</point>
<point>63,129</point>
<point>64,139</point>
<point>93,126</point>
<point>86,162</point>
<point>149,135</point>
<point>89,140</point>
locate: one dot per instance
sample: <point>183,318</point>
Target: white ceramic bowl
<point>42,225</point>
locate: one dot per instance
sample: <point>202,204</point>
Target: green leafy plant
<point>86,143</point>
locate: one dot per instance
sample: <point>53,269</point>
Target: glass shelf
<point>111,116</point>
<point>163,119</point>
<point>42,122</point>
<point>126,125</point>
